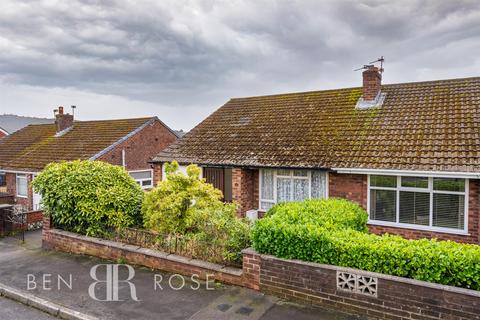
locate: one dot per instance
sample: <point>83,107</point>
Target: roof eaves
<point>123,139</point>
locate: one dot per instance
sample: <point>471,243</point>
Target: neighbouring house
<point>408,153</point>
<point>130,143</point>
<point>9,123</point>
<point>3,133</point>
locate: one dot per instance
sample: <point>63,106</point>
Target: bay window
<point>284,185</point>
<point>427,203</point>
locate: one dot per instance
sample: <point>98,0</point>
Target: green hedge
<point>89,197</point>
<point>305,235</point>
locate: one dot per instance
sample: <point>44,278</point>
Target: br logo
<point>110,274</point>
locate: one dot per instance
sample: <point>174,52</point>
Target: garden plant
<point>89,197</point>
<point>334,232</point>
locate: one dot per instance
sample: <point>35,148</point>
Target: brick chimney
<point>372,81</point>
<point>63,120</point>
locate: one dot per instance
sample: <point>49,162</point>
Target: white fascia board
<point>18,171</point>
<point>393,172</point>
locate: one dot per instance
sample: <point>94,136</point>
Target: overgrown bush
<point>288,232</point>
<point>89,197</point>
<point>187,205</point>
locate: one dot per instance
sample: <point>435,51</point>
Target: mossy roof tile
<point>33,147</point>
<point>432,125</point>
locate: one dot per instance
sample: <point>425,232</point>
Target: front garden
<point>184,215</point>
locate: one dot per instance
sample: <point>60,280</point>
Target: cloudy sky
<point>181,60</point>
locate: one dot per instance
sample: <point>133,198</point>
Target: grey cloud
<point>200,53</point>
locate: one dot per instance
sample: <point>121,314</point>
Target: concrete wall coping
<point>153,253</point>
<point>473,293</point>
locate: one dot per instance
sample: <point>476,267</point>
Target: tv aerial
<point>372,64</point>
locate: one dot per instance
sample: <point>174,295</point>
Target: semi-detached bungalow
<point>130,143</point>
<point>408,153</point>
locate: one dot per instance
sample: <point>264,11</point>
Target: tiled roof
<point>33,147</point>
<point>431,125</point>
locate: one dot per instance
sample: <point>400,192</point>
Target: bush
<point>89,197</point>
<point>187,205</point>
<point>348,245</point>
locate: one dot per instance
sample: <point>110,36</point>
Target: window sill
<point>417,227</point>
<point>19,196</point>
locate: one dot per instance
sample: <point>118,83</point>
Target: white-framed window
<point>283,185</point>
<point>22,185</point>
<point>425,203</point>
<point>143,177</point>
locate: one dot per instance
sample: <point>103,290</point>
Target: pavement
<point>65,280</point>
<point>12,310</point>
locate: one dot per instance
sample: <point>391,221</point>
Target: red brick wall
<point>157,173</point>
<point>141,147</point>
<point>11,179</point>
<point>245,189</point>
<point>2,134</point>
<point>73,243</point>
<point>396,298</point>
<point>348,186</point>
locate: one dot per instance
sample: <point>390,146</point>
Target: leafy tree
<point>187,205</point>
<point>89,197</point>
<point>178,202</point>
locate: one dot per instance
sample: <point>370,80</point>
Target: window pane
<point>284,189</point>
<point>267,184</point>
<point>383,181</point>
<point>449,184</point>
<point>22,185</point>
<point>146,183</point>
<point>415,207</point>
<point>265,205</point>
<point>319,184</point>
<point>415,182</point>
<point>300,173</point>
<point>300,189</point>
<point>448,210</point>
<point>283,172</point>
<point>141,175</point>
<point>383,205</point>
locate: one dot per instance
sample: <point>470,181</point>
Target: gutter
<point>393,172</point>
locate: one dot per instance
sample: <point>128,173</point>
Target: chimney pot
<point>372,82</point>
<point>63,120</point>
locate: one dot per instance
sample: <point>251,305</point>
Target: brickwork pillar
<point>245,189</point>
<point>251,269</point>
<point>157,173</point>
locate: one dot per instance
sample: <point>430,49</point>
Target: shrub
<point>89,197</point>
<point>348,245</point>
<point>187,205</point>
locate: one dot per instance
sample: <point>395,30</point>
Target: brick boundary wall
<point>305,282</point>
<point>73,243</point>
<point>396,297</point>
